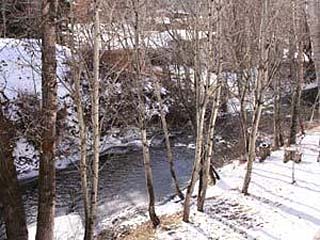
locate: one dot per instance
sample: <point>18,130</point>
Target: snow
<point>275,208</point>
<point>20,66</point>
<point>66,228</point>
<point>121,36</point>
<point>20,72</point>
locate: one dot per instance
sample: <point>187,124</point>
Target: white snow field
<point>276,209</point>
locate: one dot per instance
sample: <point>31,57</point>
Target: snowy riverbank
<point>275,208</point>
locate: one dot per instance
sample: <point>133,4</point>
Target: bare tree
<point>261,84</point>
<point>204,177</point>
<point>206,89</point>
<point>139,17</point>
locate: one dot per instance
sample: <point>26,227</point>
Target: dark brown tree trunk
<point>277,130</point>
<point>47,181</point>
<point>298,44</point>
<point>10,195</point>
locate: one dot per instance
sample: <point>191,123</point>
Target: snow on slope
<point>276,209</point>
<point>20,66</point>
<point>66,228</point>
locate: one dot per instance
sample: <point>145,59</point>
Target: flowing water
<point>121,183</point>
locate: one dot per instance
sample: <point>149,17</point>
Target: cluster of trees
<point>247,50</point>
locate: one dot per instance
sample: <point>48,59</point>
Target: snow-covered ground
<point>20,66</point>
<point>275,208</point>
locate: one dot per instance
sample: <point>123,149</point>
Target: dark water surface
<point>121,183</point>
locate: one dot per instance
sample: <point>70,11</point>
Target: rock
<point>291,154</point>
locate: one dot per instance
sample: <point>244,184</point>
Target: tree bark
<point>96,125</point>
<point>148,174</point>
<point>47,178</point>
<point>260,85</point>
<point>208,151</point>
<point>201,100</point>
<point>139,10</point>
<point>10,194</point>
<point>298,44</point>
<point>83,151</point>
<point>76,67</point>
<point>196,164</point>
<point>208,148</point>
<point>277,131</point>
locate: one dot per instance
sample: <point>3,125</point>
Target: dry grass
<point>146,230</point>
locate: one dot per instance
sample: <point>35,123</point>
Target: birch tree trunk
<point>201,106</point>
<point>76,67</point>
<point>204,176</point>
<point>139,10</point>
<point>10,195</point>
<point>95,123</point>
<point>47,178</point>
<point>167,139</point>
<point>261,80</point>
<point>83,151</point>
<point>208,151</point>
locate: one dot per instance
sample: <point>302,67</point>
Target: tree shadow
<point>287,209</point>
<point>281,180</point>
<point>285,198</point>
<point>282,165</point>
<point>288,176</point>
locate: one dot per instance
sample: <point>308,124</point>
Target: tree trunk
<point>139,9</point>
<point>47,178</point>
<point>83,151</point>
<point>298,44</point>
<point>10,195</point>
<point>76,76</point>
<point>96,125</point>
<point>261,82</point>
<point>4,18</point>
<point>277,131</point>
<point>196,164</point>
<point>252,147</point>
<point>201,100</point>
<point>208,151</point>
<point>148,174</point>
<point>167,139</point>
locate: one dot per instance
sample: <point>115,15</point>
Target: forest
<point>159,119</point>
